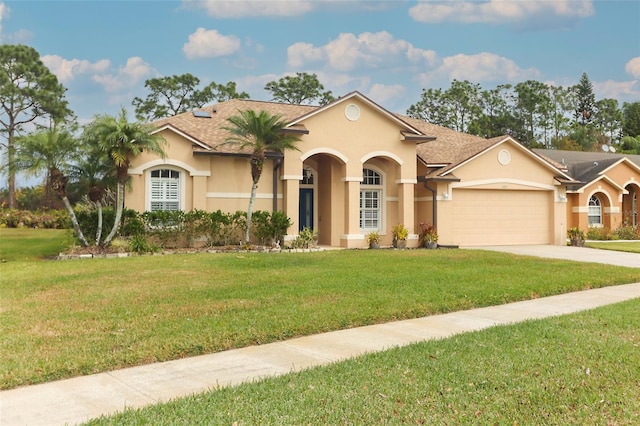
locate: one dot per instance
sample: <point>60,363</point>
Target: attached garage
<point>502,217</point>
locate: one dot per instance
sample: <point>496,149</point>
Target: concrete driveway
<point>578,254</point>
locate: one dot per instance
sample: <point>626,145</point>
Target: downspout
<point>277,163</point>
<point>435,204</point>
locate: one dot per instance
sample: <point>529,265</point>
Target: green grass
<point>579,369</point>
<point>26,244</point>
<point>62,319</point>
<point>628,246</point>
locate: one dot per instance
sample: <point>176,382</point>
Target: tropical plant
<point>262,134</point>
<point>400,232</point>
<point>122,140</point>
<point>428,233</point>
<point>576,236</point>
<point>373,238</point>
<point>52,151</point>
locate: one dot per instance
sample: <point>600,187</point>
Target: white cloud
<point>500,11</point>
<point>482,67</point>
<point>4,13</point>
<point>135,71</point>
<point>633,67</point>
<point>210,44</point>
<point>252,8</point>
<point>621,90</point>
<point>367,50</point>
<point>382,94</point>
<point>68,70</point>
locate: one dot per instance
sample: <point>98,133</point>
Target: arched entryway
<point>321,202</point>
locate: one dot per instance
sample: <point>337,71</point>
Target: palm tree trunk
<point>119,208</point>
<point>252,198</point>
<point>99,230</point>
<point>74,222</point>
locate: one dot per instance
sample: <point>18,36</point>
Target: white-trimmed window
<point>165,190</point>
<point>595,211</point>
<point>371,201</point>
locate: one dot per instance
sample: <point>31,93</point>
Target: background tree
<point>28,91</point>
<point>464,104</point>
<point>561,104</point>
<point>496,118</point>
<point>608,120</point>
<point>260,133</point>
<point>531,105</point>
<point>122,140</point>
<point>585,107</point>
<point>432,107</point>
<point>300,89</point>
<point>631,119</point>
<point>179,93</point>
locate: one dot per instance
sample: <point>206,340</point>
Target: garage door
<point>494,217</point>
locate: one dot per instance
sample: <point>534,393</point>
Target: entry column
<point>352,237</point>
<point>406,208</point>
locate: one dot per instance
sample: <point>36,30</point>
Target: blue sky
<point>103,51</point>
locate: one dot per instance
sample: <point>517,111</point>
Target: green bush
<point>49,219</point>
<point>627,233</point>
<point>601,233</point>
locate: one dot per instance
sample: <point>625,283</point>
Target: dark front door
<point>305,219</point>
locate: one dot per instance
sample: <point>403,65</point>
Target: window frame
<point>178,199</point>
<point>372,189</point>
<point>594,211</point>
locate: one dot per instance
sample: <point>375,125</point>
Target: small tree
<point>260,133</point>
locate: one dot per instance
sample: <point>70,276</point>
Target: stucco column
<point>199,193</point>
<point>406,209</point>
<point>290,204</point>
<point>352,236</point>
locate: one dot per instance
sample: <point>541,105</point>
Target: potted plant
<point>374,240</point>
<point>576,236</point>
<point>400,235</point>
<point>428,236</point>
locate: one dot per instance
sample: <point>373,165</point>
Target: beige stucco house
<point>361,168</point>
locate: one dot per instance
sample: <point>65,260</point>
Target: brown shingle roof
<point>209,131</point>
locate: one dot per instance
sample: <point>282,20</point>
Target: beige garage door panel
<point>492,217</point>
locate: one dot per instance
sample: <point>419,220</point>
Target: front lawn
<point>67,318</point>
<point>579,369</point>
<point>628,246</point>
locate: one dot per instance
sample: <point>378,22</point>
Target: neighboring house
<point>359,169</point>
<point>607,191</point>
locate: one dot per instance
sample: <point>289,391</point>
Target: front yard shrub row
<point>49,219</point>
<point>626,232</point>
<point>150,231</point>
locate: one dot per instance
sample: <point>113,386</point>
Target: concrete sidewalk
<point>76,400</point>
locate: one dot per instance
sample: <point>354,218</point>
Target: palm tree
<point>121,140</point>
<point>52,151</point>
<point>260,133</point>
<point>94,173</point>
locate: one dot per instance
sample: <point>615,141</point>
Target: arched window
<point>595,211</point>
<point>165,189</point>
<point>371,201</point>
